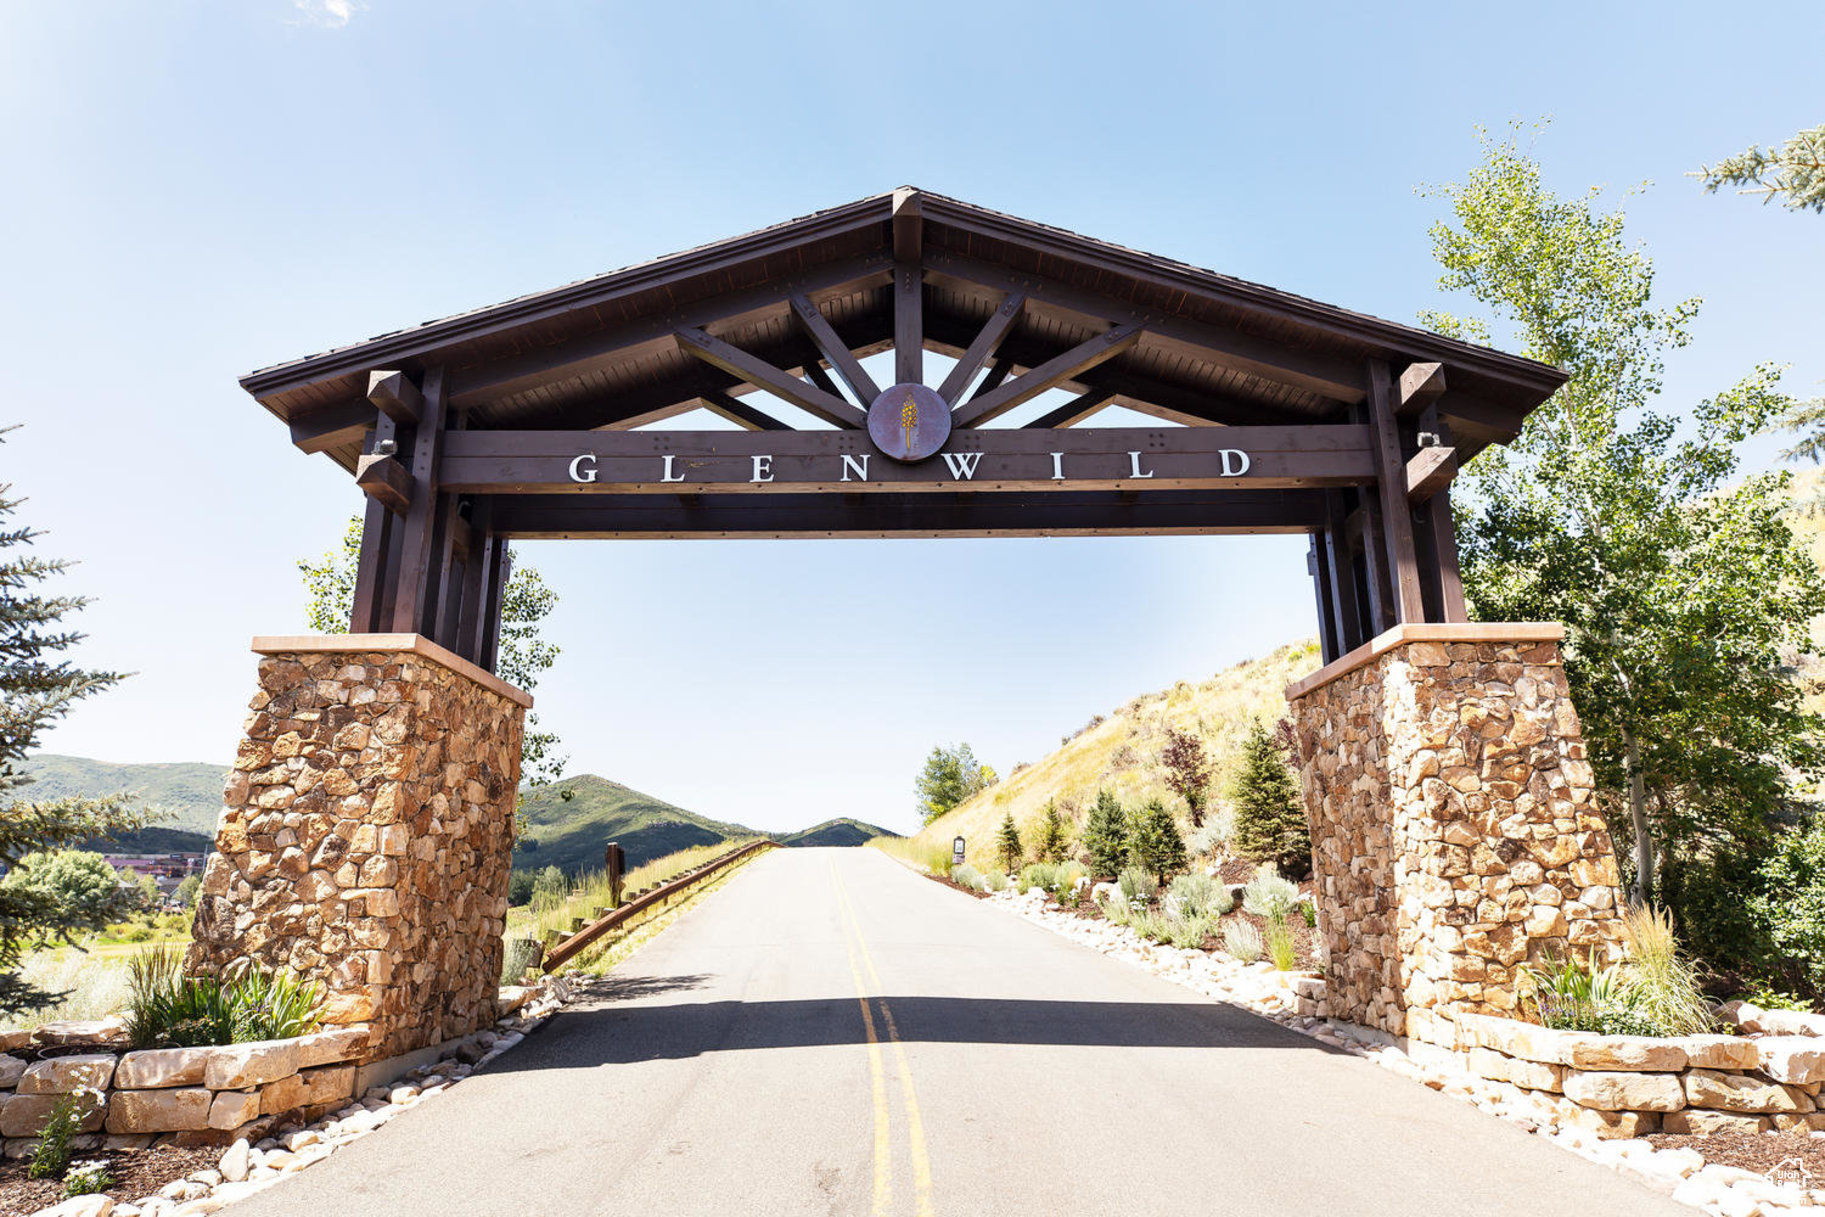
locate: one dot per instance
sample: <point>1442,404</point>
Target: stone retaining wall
<point>1453,832</point>
<point>1627,1085</point>
<point>210,1093</point>
<point>367,834</point>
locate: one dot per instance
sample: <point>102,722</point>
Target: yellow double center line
<point>868,993</point>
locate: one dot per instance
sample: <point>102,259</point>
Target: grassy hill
<point>1121,752</point>
<point>841,831</point>
<point>184,796</point>
<point>569,833</point>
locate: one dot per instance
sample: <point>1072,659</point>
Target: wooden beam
<point>842,361</point>
<point>413,592</point>
<point>476,581</point>
<point>379,534</point>
<point>908,324</point>
<point>335,427</point>
<point>983,347</point>
<point>997,374</point>
<point>763,375</point>
<point>386,479</point>
<point>396,397</point>
<point>740,412</point>
<point>1080,358</point>
<point>1429,471</point>
<point>1074,411</point>
<point>1082,513</point>
<point>1340,549</point>
<point>908,226</point>
<point>1391,483</point>
<point>1317,564</point>
<point>1316,371</point>
<point>846,462</point>
<point>1420,386</point>
<point>1442,528</point>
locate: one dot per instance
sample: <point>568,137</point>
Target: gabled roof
<point>601,352</point>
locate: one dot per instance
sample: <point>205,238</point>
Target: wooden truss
<point>1270,414</point>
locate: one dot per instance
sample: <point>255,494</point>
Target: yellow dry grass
<point>1122,754</point>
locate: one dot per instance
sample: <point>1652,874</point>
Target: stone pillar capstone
<point>1454,833</point>
<point>367,832</point>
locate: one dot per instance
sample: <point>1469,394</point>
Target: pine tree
<point>1008,848</point>
<point>1051,844</point>
<point>1270,819</point>
<point>1106,836</point>
<point>37,688</point>
<point>1154,842</point>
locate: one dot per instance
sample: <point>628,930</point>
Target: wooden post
<point>1318,563</point>
<point>1351,629</point>
<point>475,582</point>
<point>500,564</point>
<point>1442,531</point>
<point>1391,482</point>
<point>379,532</point>
<point>414,591</point>
<point>908,324</point>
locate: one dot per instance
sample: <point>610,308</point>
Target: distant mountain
<point>569,833</point>
<point>841,831</point>
<point>186,797</point>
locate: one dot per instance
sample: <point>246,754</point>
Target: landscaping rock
<point>24,1115</point>
<point>1697,1122</point>
<point>234,1161</point>
<point>1790,1058</point>
<point>335,1044</point>
<point>148,1111</point>
<point>97,1205</point>
<point>1720,1051</point>
<point>155,1067</point>
<point>1625,1090</point>
<point>1734,1092</point>
<point>1609,1052</point>
<point>233,1108</point>
<point>11,1067</point>
<point>66,1034</point>
<point>63,1074</point>
<point>255,1064</point>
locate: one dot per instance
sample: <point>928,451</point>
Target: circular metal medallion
<point>909,422</point>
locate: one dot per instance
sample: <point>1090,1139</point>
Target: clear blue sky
<point>196,189</point>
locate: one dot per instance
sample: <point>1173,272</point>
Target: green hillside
<point>185,797</point>
<point>1121,752</point>
<point>840,831</point>
<point>569,833</point>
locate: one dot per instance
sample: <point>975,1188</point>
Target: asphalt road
<point>832,1034</point>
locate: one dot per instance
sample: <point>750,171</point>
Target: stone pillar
<point>367,834</point>
<point>1454,835</point>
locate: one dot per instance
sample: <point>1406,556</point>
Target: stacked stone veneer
<point>366,835</point>
<point>210,1093</point>
<point>1453,832</point>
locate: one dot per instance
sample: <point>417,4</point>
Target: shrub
<point>1187,766</point>
<point>1069,875</point>
<point>1242,940</point>
<point>1213,835</point>
<point>1118,911</point>
<point>1106,836</point>
<point>994,881</point>
<point>86,1178</point>
<point>51,1155</point>
<point>1308,910</point>
<point>519,887</point>
<point>1197,895</point>
<point>1007,847</point>
<point>1042,875</point>
<point>1189,931</point>
<point>1792,905</point>
<point>1282,948</point>
<point>1269,896</point>
<point>1270,819</point>
<point>1664,983</point>
<point>1137,885</point>
<point>517,955</point>
<point>170,1010</point>
<point>1154,841</point>
<point>968,876</point>
<point>1149,924</point>
<point>1578,996</point>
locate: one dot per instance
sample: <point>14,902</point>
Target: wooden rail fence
<point>560,954</point>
